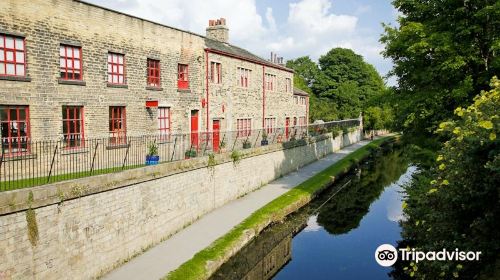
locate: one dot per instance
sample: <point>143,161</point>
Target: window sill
<point>16,78</point>
<point>72,151</point>
<point>154,88</point>
<point>117,86</point>
<point>19,157</point>
<point>185,90</point>
<point>72,82</point>
<point>118,146</point>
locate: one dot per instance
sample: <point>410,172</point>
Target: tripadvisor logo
<point>387,255</point>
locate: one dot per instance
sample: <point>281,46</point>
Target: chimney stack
<point>217,30</point>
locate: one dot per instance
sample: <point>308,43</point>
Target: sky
<point>290,28</point>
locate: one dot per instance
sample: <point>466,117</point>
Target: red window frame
<point>164,124</point>
<point>215,72</point>
<point>270,125</point>
<point>270,82</point>
<point>302,121</point>
<point>154,73</point>
<point>12,56</point>
<point>243,81</point>
<point>73,126</point>
<point>116,69</point>
<point>14,141</point>
<point>117,125</point>
<point>182,76</point>
<point>70,62</point>
<point>243,127</point>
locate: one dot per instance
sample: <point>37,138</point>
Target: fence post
<point>234,143</point>
<point>52,163</point>
<point>173,151</point>
<point>93,157</point>
<point>126,154</point>
<point>220,144</point>
<point>255,143</point>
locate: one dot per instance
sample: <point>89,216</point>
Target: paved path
<point>170,254</point>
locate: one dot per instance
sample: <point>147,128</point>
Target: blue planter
<point>152,160</point>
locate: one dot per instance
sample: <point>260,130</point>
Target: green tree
<point>456,203</point>
<point>444,52</point>
<point>305,68</point>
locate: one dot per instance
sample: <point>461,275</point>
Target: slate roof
<point>297,91</point>
<point>237,51</point>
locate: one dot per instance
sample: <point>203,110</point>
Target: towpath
<point>182,246</point>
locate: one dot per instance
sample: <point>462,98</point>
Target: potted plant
<point>264,141</point>
<point>191,153</point>
<point>152,157</point>
<point>246,144</point>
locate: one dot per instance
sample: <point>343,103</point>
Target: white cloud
<point>311,27</point>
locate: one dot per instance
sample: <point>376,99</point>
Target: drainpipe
<point>206,84</point>
<point>263,96</point>
<point>307,110</point>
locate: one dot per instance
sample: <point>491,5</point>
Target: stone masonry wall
<point>86,236</point>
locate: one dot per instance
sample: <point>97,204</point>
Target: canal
<point>336,235</point>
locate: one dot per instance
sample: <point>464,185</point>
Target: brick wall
<point>48,24</point>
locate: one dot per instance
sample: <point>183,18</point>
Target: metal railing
<point>48,161</point>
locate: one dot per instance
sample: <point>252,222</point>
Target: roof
<point>297,91</point>
<point>211,44</point>
<point>232,50</point>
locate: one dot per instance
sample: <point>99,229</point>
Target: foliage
<point>276,210</point>
<point>376,118</point>
<point>235,156</point>
<point>152,149</point>
<point>444,53</point>
<point>211,160</point>
<point>191,153</point>
<point>455,203</point>
<point>247,144</point>
<point>340,86</point>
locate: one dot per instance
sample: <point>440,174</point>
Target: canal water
<point>336,235</point>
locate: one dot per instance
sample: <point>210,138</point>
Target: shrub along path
<point>181,247</point>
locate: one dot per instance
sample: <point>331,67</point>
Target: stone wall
<point>83,228</point>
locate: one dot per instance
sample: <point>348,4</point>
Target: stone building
<point>73,70</point>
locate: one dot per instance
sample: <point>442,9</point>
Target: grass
<point>32,182</point>
<point>276,210</point>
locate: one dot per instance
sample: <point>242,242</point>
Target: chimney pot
<point>217,30</point>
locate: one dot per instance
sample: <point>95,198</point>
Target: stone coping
<point>55,193</point>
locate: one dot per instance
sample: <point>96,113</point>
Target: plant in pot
<point>152,157</point>
<point>191,153</point>
<point>246,144</point>
<point>264,141</point>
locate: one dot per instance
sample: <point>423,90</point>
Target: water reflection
<point>336,239</point>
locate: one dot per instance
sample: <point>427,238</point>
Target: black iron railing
<point>47,161</point>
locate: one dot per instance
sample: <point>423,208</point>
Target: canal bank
<point>306,183</point>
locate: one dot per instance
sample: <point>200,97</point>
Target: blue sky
<point>291,28</point>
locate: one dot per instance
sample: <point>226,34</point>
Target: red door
<point>216,135</point>
<point>287,127</point>
<point>194,129</point>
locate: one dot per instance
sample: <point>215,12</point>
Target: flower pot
<point>247,145</point>
<point>264,142</point>
<point>190,154</point>
<point>152,160</point>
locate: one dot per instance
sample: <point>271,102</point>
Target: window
<point>270,125</point>
<point>243,81</point>
<point>270,82</point>
<point>302,121</point>
<point>244,127</point>
<point>117,125</point>
<point>182,76</point>
<point>12,56</point>
<point>73,126</point>
<point>296,99</point>
<point>15,127</point>
<point>288,85</point>
<point>70,62</point>
<point>215,72</point>
<point>116,68</point>
<point>153,73</point>
<point>164,123</point>
<point>302,100</point>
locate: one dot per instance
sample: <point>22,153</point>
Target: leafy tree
<point>455,204</point>
<point>341,86</point>
<point>444,52</point>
